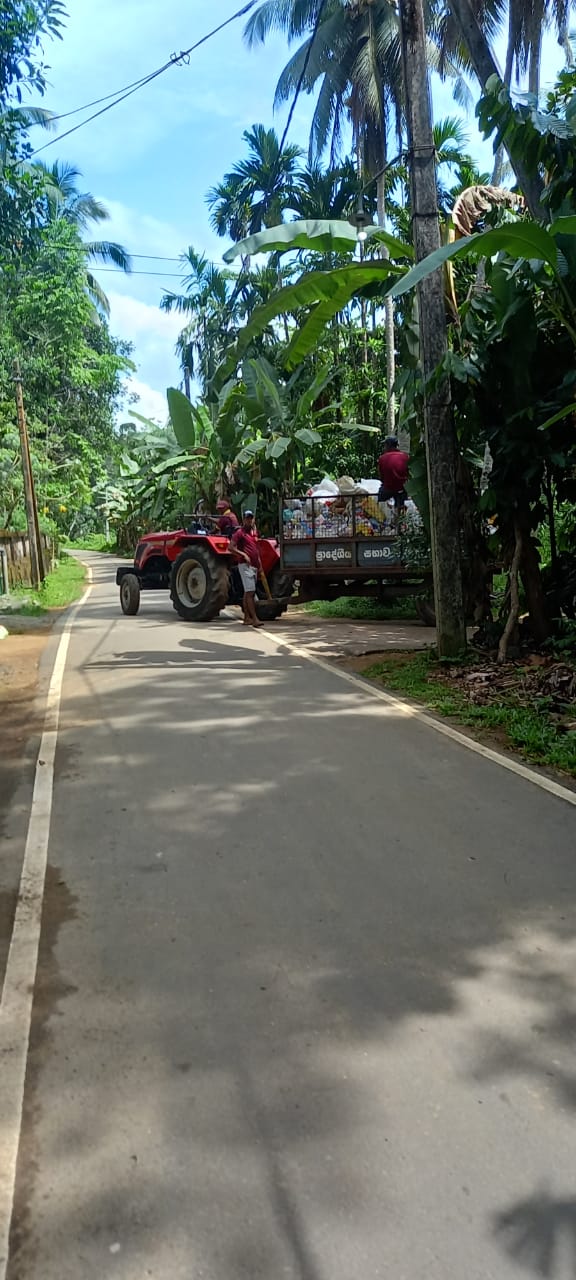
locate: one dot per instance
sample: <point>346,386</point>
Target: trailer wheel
<point>199,584</point>
<point>130,595</point>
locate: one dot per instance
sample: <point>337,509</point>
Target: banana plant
<point>326,292</point>
<point>317,235</point>
<point>524,240</point>
<point>210,439</point>
<point>283,426</point>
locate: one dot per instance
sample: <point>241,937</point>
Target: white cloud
<point>135,319</point>
<point>143,233</point>
<point>150,403</point>
<point>153,333</point>
<point>135,313</point>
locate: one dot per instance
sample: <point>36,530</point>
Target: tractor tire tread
<point>216,596</point>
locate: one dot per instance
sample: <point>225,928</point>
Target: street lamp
<point>361,220</point>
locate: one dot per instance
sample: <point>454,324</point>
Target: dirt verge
<point>21,726</point>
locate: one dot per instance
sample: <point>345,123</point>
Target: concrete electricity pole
<point>438,415</point>
<point>36,558</point>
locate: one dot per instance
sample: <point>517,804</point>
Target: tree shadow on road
<point>280,885</point>
<point>539,1233</point>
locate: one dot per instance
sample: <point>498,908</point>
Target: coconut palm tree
<point>66,203</point>
<point>258,189</point>
<point>209,304</point>
<point>354,55</point>
<point>79,209</point>
<point>230,208</point>
<point>329,193</point>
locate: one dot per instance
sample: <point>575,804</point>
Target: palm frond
<point>106,251</point>
<point>96,294</point>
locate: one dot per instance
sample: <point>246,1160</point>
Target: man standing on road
<point>393,469</point>
<point>245,542</point>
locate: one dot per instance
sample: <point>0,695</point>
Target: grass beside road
<point>61,587</point>
<point>92,542</point>
<point>515,704</point>
<point>361,610</point>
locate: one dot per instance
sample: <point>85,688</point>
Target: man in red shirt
<point>393,469</point>
<point>228,522</point>
<point>245,542</point>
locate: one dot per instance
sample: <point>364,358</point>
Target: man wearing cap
<point>245,542</point>
<point>228,522</point>
<point>393,469</point>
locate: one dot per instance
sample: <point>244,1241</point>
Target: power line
<point>167,275</point>
<point>145,257</point>
<point>139,84</point>
<point>155,257</point>
<point>65,115</point>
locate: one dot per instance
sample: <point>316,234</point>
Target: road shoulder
<point>26,660</point>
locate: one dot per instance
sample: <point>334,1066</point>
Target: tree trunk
<point>532,583</point>
<point>565,42</point>
<point>485,66</point>
<point>549,489</point>
<point>536,50</point>
<point>364,323</point>
<point>438,417</point>
<point>512,618</point>
<point>389,318</point>
<point>478,576</point>
<point>508,70</point>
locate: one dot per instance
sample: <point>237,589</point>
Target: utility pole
<point>438,415</point>
<point>36,558</point>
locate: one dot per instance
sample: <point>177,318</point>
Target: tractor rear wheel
<point>130,595</point>
<point>199,584</point>
<point>282,587</point>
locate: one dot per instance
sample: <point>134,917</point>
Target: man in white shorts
<point>245,542</point>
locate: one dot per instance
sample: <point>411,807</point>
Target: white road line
<point>20,978</point>
<point>404,709</point>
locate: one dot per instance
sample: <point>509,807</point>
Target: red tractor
<point>199,570</point>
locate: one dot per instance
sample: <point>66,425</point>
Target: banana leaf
<point>518,239</point>
<point>315,235</point>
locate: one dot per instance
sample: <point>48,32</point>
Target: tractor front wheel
<point>130,595</point>
<point>199,584</point>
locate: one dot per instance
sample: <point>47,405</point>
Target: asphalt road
<point>306,1007</point>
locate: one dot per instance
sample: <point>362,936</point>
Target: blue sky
<point>152,159</point>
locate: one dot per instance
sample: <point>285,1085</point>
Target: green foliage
<point>61,587</point>
<point>327,291</point>
<point>523,241</point>
<point>72,367</point>
<point>545,140</point>
<point>528,729</point>
<point>91,542</point>
<point>72,372</point>
<point>258,189</point>
<point>359,610</point>
<point>154,483</point>
<point>183,418</point>
<point>23,26</point>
